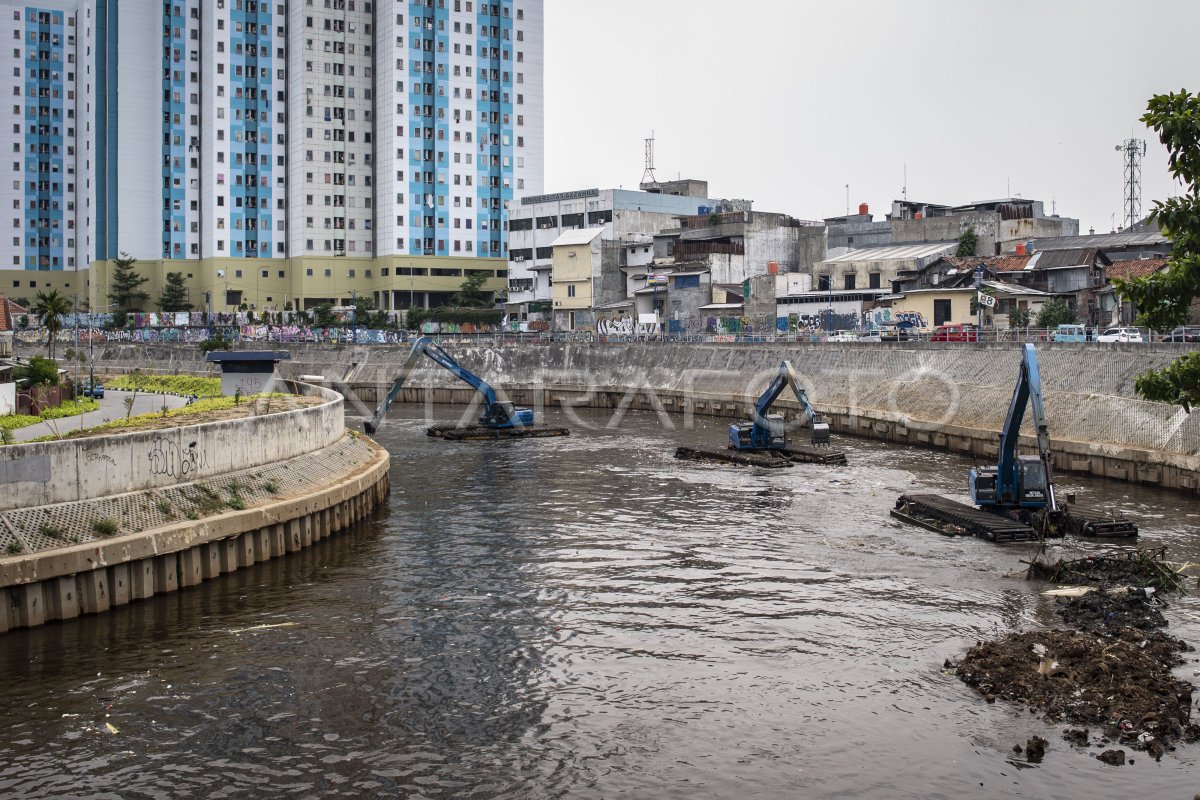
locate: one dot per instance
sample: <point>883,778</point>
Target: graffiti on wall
<point>168,458</point>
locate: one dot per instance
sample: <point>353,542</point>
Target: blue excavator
<point>762,441</point>
<point>501,419</point>
<point>1014,499</point>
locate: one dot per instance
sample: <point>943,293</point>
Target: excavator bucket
<point>820,433</point>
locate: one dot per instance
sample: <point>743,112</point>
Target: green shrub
<point>51,530</point>
<point>14,547</point>
<point>182,385</point>
<point>105,526</point>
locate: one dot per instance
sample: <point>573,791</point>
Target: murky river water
<point>580,617</point>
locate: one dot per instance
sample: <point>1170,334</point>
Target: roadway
<point>112,406</point>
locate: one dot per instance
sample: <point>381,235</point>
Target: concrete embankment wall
<point>89,524</point>
<point>96,576</point>
<point>79,469</point>
<point>951,396</point>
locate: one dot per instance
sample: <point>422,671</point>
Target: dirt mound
<point>1121,682</point>
<point>1103,613</point>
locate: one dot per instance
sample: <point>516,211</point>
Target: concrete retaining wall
<point>54,472</point>
<point>943,395</point>
<point>86,579</point>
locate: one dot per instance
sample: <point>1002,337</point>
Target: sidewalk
<point>112,406</point>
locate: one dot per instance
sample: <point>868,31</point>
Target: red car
<point>955,333</point>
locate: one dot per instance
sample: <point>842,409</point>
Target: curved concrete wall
<point>80,469</point>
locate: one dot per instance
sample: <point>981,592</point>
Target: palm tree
<point>50,307</point>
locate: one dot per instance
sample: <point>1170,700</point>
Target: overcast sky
<point>785,103</point>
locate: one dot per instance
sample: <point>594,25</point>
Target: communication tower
<point>648,174</point>
<point>1133,149</point>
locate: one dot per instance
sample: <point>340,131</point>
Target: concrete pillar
<point>93,591</point>
<point>166,573</point>
<point>191,567</point>
<point>6,623</point>
<point>245,545</point>
<point>30,609</point>
<point>323,521</point>
<point>279,539</point>
<point>212,560</point>
<point>262,543</point>
<point>141,579</point>
<point>293,536</point>
<point>306,531</point>
<point>62,598</point>
<point>118,584</point>
<point>229,554</point>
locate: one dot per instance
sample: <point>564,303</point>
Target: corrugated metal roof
<point>1101,240</point>
<point>577,236</point>
<point>1057,259</point>
<point>894,252</point>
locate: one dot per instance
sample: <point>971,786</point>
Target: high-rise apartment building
<point>297,151</point>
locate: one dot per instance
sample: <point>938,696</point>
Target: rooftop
<point>1101,240</point>
<point>1138,268</point>
<point>894,252</point>
<point>576,237</point>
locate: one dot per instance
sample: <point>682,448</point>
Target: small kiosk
<point>252,371</point>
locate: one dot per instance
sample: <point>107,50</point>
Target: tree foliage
<point>174,295</point>
<point>50,307</point>
<point>323,316</point>
<point>1055,313</point>
<point>42,372</point>
<point>471,294</point>
<point>1164,299</point>
<point>1020,318</point>
<point>126,293</point>
<point>966,243</point>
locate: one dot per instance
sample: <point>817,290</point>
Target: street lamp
<point>979,301</point>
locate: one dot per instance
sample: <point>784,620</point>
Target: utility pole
<point>1133,149</point>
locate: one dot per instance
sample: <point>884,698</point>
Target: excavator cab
<point>504,414</point>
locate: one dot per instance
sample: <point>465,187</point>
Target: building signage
<point>987,300</point>
<point>553,198</point>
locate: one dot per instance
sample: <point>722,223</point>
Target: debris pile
<point>1142,568</point>
<point>1112,673</point>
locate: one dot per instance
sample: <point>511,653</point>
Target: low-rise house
<point>575,264</point>
<point>1114,309</point>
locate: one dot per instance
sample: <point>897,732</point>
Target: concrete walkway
<point>112,406</point>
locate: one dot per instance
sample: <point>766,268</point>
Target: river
<point>581,617</point>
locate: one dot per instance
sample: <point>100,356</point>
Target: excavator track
<point>478,433</point>
<point>768,459</point>
<point>1091,522</point>
<point>951,518</point>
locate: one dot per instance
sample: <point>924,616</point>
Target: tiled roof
<point>1137,268</point>
<point>993,263</point>
<point>7,309</point>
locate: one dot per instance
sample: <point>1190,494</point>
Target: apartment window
<point>873,280</point>
<point>848,281</point>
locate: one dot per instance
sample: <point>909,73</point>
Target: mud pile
<point>1114,673</point>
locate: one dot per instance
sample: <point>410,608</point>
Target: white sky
<point>785,103</point>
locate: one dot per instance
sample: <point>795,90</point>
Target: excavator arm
<point>767,432</point>
<point>495,413</point>
<point>1016,477</point>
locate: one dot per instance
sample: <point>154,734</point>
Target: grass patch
<point>14,547</point>
<point>206,500</point>
<point>105,526</point>
<point>235,501</point>
<point>171,384</point>
<point>271,486</point>
<point>68,408</point>
<point>164,508</point>
<point>153,418</point>
<point>191,514</point>
<point>51,530</point>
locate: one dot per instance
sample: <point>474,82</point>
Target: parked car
<point>1186,333</point>
<point>1070,333</point>
<point>95,390</point>
<point>844,336</point>
<point>955,333</point>
<point>1120,335</point>
<point>898,333</point>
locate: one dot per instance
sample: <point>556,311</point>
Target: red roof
<point>993,263</point>
<point>7,311</point>
<point>1136,268</point>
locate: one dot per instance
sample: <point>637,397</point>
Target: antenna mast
<point>1133,149</point>
<point>648,174</point>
